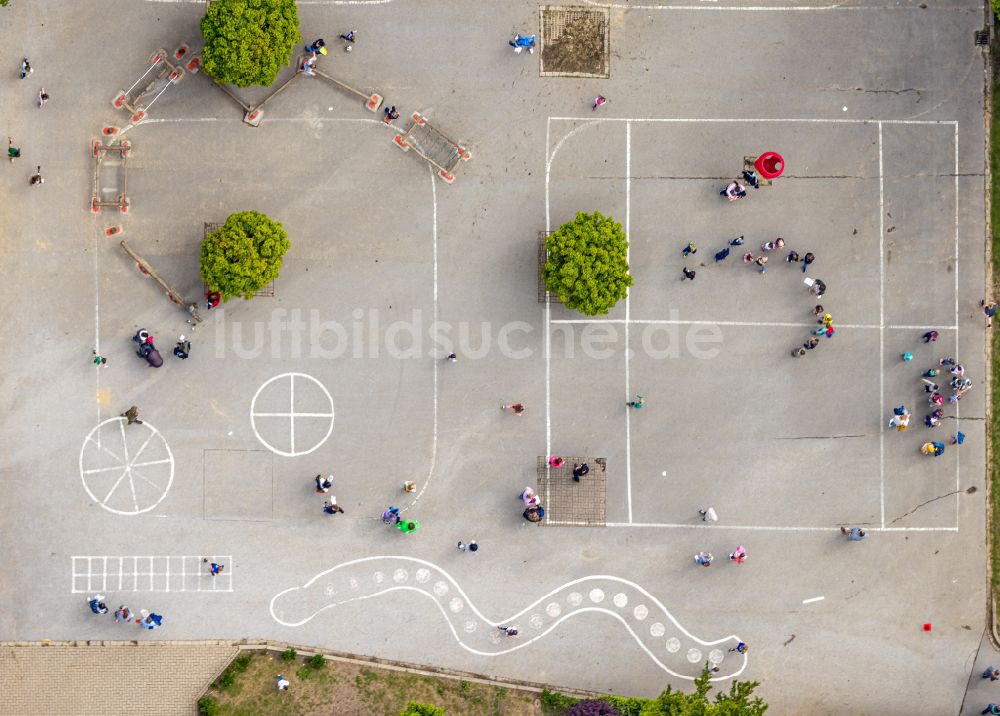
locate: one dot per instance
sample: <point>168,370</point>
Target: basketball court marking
<point>149,573</point>
<point>587,122</point>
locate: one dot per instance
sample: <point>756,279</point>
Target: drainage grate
<point>576,41</point>
<point>263,292</point>
<point>983,37</point>
<point>543,257</point>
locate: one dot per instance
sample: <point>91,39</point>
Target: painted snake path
<point>655,630</point>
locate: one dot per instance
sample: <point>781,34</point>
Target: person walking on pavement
<point>704,559</point>
<point>323,484</point>
<point>452,358</point>
<point>854,534</point>
<point>793,257</point>
<point>688,273</point>
<point>12,151</point>
<point>958,438</point>
<point>407,527</point>
<point>43,97</point>
<point>36,178</point>
<point>807,260</point>
<point>637,403</point>
<point>523,42</point>
<point>331,507</point>
<point>26,68</point>
<point>989,310</point>
<point>739,555</point>
<point>132,415</point>
<point>991,709</point>
<point>348,40</point>
<point>798,352</point>
<point>391,114</point>
<point>471,547</point>
<point>708,515</point>
<point>598,101</point>
<point>580,471</point>
<point>214,568</point>
<point>733,191</point>
<point>122,614</point>
<point>508,630</point>
<point>740,648</point>
<point>930,336</point>
<point>738,241</point>
<point>182,349</point>
<point>689,249</point>
<point>991,673</point>
<point>516,408</point>
<point>390,516</point>
<point>721,255</point>
<point>97,605</point>
<point>900,421</point>
<point>99,359</point>
<point>316,46</point>
<point>761,261</point>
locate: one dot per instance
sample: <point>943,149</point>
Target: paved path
<point>107,678</point>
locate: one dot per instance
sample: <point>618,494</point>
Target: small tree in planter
<point>247,42</point>
<point>587,266</point>
<point>243,255</point>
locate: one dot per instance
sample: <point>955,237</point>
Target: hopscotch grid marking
<point>102,574</point>
<point>587,121</point>
<point>628,295</point>
<point>881,330</point>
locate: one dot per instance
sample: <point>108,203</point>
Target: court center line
<point>813,599</point>
<point>755,120</point>
<point>881,330</point>
<point>764,528</point>
<point>750,8</point>
<point>628,295</point>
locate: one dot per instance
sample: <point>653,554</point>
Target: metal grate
<point>571,503</point>
<point>543,257</point>
<point>576,41</point>
<point>264,291</point>
<point>983,37</point>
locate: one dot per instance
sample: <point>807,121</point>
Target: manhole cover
<point>575,41</point>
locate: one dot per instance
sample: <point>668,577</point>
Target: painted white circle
<point>400,576</point>
<point>673,645</point>
<point>310,392</point>
<point>378,577</point>
<point>553,609</point>
<point>470,626</point>
<point>535,621</point>
<point>456,604</point>
<point>596,596</point>
<point>716,656</point>
<point>440,588</point>
<point>640,612</point>
<point>657,629</point>
<point>126,472</point>
<point>423,574</point>
<point>329,590</point>
<point>620,600</point>
<point>353,582</point>
<point>574,599</point>
<point>694,655</point>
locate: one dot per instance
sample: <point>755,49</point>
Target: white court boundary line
<point>755,8</point>
<point>584,122</point>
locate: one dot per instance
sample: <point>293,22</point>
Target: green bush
<point>247,42</point>
<point>555,703</point>
<point>226,679</point>
<point>415,709</point>
<point>241,663</point>
<point>288,655</point>
<point>316,661</point>
<point>587,266</point>
<point>243,255</point>
<point>996,6</point>
<point>208,706</point>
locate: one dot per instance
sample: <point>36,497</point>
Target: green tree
<point>247,42</point>
<point>415,709</point>
<point>587,266</point>
<point>738,701</point>
<point>243,255</point>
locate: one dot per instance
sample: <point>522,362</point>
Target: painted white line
<point>881,330</point>
<point>434,256</point>
<point>548,309</point>
<point>749,324</point>
<point>814,599</point>
<point>126,465</point>
<point>628,389</point>
<point>433,582</point>
<point>742,120</point>
<point>770,528</point>
<point>292,414</point>
<point>958,410</point>
<point>744,8</point>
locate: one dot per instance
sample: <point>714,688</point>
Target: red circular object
<point>927,627</point>
<point>770,165</point>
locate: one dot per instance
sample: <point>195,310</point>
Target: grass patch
<point>321,687</point>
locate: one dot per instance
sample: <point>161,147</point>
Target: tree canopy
<point>247,42</point>
<point>243,255</point>
<point>587,266</point>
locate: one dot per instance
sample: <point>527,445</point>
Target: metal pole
<point>343,86</point>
